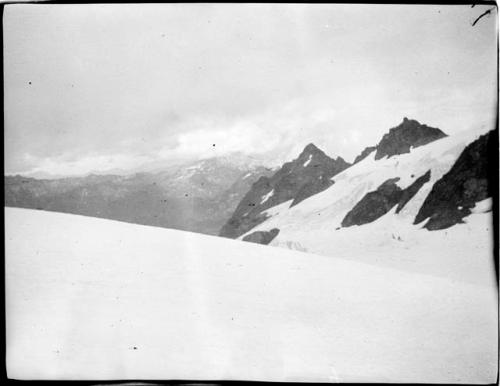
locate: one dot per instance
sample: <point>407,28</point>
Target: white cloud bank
<point>98,87</point>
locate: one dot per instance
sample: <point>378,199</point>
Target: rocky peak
<point>309,153</point>
<point>400,139</point>
<point>365,153</point>
<point>340,160</point>
<point>311,149</point>
<point>308,174</point>
<point>409,133</point>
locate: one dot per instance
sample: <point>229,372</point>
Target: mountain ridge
<point>410,176</point>
<point>296,180</point>
<point>400,139</point>
<point>199,197</point>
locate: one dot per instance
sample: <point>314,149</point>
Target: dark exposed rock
<point>308,190</point>
<point>245,216</point>
<point>262,237</point>
<point>467,182</point>
<point>411,190</point>
<point>400,139</point>
<point>374,204</point>
<point>297,180</point>
<point>365,153</point>
<point>377,203</point>
<point>236,226</point>
<point>408,134</point>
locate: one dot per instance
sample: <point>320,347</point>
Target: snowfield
<point>98,299</point>
<point>314,225</point>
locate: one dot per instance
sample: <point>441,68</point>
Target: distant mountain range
<point>197,197</point>
<point>399,263</point>
<point>416,176</point>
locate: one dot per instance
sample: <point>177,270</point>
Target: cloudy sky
<point>99,87</point>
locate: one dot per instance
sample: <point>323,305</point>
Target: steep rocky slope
<point>377,203</point>
<point>297,180</point>
<point>400,139</point>
<point>366,151</point>
<point>468,182</point>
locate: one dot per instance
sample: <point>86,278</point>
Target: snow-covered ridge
<point>315,223</point>
<point>99,299</point>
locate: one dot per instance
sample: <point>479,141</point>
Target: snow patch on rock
<point>267,196</point>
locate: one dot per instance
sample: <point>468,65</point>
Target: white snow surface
<point>314,225</point>
<point>99,299</point>
<point>483,206</point>
<point>267,196</point>
<point>308,160</point>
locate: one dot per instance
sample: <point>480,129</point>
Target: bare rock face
<point>408,134</point>
<point>309,189</point>
<point>401,139</point>
<point>262,237</point>
<point>411,190</point>
<point>297,180</point>
<point>374,204</point>
<point>467,182</point>
<point>377,203</point>
<point>365,153</point>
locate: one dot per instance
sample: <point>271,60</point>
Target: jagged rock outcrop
<point>374,204</point>
<point>365,153</point>
<point>402,138</point>
<point>377,203</point>
<point>297,180</point>
<point>262,237</point>
<point>467,182</point>
<point>411,190</point>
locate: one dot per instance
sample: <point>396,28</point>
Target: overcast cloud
<point>98,87</point>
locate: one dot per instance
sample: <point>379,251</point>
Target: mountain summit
<point>408,134</point>
<point>297,180</point>
<point>400,139</point>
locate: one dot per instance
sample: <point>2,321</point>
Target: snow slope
<point>314,225</point>
<point>98,299</point>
